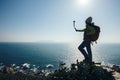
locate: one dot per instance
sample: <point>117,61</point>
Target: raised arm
<point>82,30</point>
<point>77,29</point>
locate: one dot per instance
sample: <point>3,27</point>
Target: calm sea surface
<point>53,53</point>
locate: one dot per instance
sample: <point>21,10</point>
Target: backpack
<point>95,36</point>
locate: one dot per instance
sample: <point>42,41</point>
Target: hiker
<point>88,31</point>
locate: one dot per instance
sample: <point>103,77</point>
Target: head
<point>88,20</point>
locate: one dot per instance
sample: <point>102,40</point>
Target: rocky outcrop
<point>82,71</point>
<point>78,71</point>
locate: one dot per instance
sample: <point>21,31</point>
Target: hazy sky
<point>51,20</point>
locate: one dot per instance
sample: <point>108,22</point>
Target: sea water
<point>42,54</point>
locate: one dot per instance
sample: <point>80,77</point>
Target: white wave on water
<point>49,66</point>
<point>27,68</point>
<point>26,65</point>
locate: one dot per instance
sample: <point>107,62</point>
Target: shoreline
<point>36,72</point>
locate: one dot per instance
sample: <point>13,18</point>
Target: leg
<point>88,47</point>
<point>82,50</point>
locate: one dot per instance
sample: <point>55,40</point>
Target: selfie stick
<point>74,24</point>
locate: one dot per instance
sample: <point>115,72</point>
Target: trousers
<point>86,53</point>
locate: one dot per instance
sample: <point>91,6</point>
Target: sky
<point>52,20</point>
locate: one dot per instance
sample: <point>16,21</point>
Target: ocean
<point>42,54</point>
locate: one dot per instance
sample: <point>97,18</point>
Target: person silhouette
<point>88,31</point>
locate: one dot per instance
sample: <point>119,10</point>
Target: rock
<point>116,75</point>
<point>116,68</point>
<point>10,70</point>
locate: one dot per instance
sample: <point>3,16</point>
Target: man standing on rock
<point>88,31</point>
